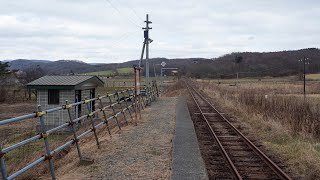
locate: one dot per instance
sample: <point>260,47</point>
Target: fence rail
<point>129,103</point>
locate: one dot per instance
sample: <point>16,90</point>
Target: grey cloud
<point>94,30</point>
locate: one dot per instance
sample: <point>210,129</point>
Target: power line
<point>128,35</point>
<point>120,42</point>
<point>134,12</point>
<point>130,20</point>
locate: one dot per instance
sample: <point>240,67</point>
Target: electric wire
<point>127,35</point>
<point>120,42</point>
<point>118,11</point>
<point>134,11</point>
<point>124,36</point>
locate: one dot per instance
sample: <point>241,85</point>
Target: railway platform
<point>187,162</point>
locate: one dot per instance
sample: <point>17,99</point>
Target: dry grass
<point>19,131</point>
<point>286,124</point>
<point>314,77</point>
<point>135,152</point>
<point>16,132</point>
<point>173,90</point>
<point>67,159</point>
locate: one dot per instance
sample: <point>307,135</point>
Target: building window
<point>53,96</point>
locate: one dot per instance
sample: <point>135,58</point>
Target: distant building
<point>53,91</point>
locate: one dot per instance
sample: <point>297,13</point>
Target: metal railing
<point>128,102</point>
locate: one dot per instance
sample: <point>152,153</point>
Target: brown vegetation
<point>173,90</point>
<point>16,132</point>
<point>279,117</point>
<point>301,116</point>
<point>19,131</point>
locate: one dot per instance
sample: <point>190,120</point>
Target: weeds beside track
<point>244,160</point>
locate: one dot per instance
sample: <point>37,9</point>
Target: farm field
<point>110,72</point>
<point>315,77</point>
<point>293,79</point>
<point>275,112</point>
<point>128,70</point>
<point>100,73</point>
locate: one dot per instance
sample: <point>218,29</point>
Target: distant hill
<point>253,64</point>
<point>280,63</point>
<point>56,67</point>
<point>24,63</point>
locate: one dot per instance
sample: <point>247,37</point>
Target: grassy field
<point>275,112</point>
<point>310,77</point>
<point>101,73</point>
<point>110,72</point>
<point>128,70</point>
<point>314,77</point>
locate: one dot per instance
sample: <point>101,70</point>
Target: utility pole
<point>146,43</point>
<point>154,70</point>
<point>238,60</point>
<point>304,74</point>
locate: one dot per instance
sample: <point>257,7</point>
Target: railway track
<point>228,153</point>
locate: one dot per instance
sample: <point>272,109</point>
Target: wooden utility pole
<point>304,61</point>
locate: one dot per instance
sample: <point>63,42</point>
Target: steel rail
<point>276,169</point>
<point>223,151</point>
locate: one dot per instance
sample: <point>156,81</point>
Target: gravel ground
<point>136,152</point>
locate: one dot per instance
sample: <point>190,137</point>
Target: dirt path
<point>136,152</point>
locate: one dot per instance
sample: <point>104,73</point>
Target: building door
<point>92,95</point>
<point>78,99</point>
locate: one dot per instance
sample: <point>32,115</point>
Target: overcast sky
<point>108,31</point>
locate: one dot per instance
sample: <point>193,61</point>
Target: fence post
<point>149,94</point>
<point>104,114</point>
<point>128,104</point>
<point>133,100</point>
<point>122,110</point>
<point>3,165</point>
<point>71,124</point>
<point>138,102</point>
<point>136,108</point>
<point>114,112</point>
<point>44,135</point>
<point>143,102</point>
<point>91,119</point>
<point>153,92</point>
<point>156,85</point>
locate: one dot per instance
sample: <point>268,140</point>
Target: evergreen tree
<point>3,68</point>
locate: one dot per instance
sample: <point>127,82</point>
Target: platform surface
<point>187,162</point>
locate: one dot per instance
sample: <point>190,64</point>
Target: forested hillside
<point>251,64</point>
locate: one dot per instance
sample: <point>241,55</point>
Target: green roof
<point>73,80</point>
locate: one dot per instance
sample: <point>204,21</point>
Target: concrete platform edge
<point>187,162</point>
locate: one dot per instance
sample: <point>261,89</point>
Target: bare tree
<point>4,74</point>
<point>30,74</point>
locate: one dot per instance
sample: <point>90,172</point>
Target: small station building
<point>53,91</point>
